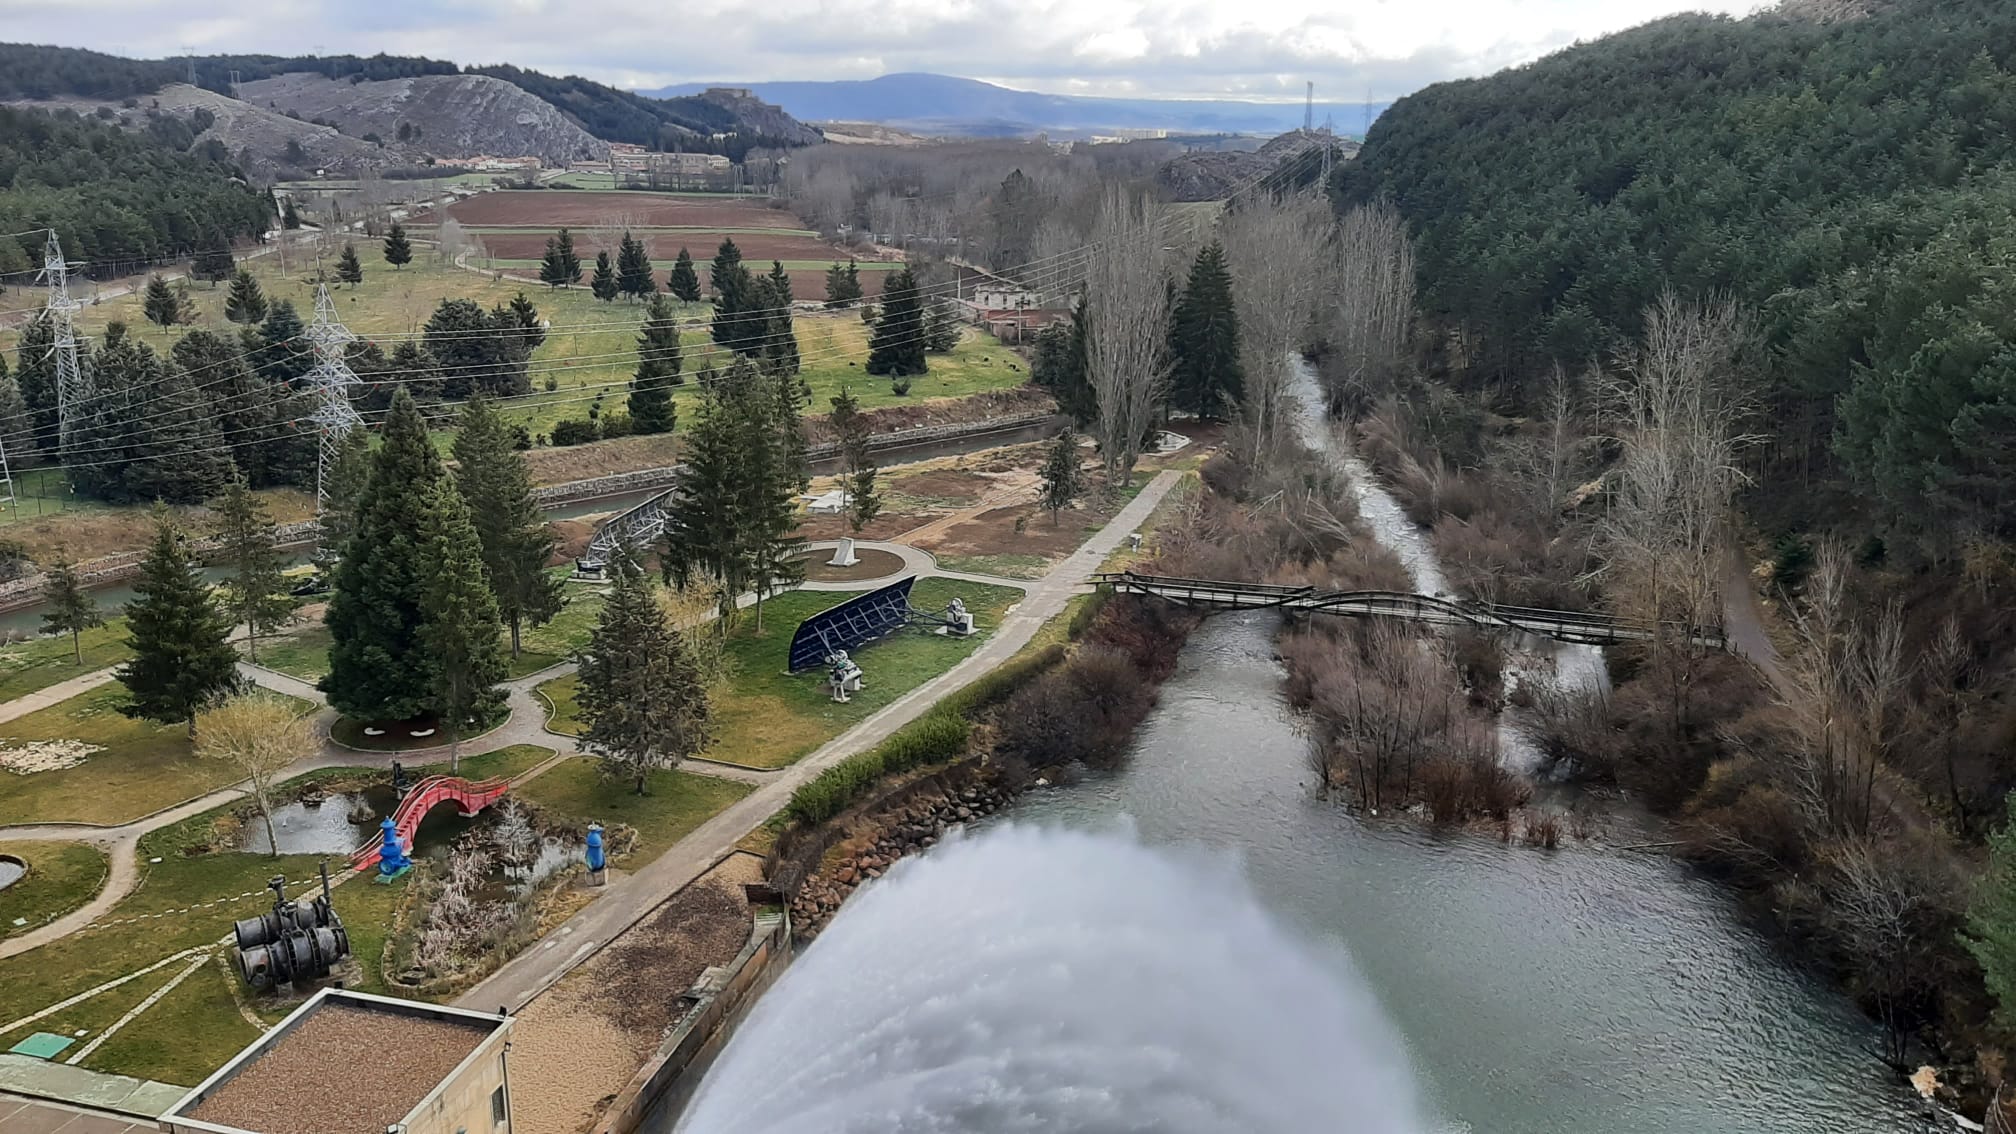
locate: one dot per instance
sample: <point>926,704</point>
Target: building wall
<point>461,1105</point>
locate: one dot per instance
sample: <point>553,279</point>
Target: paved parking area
<point>33,1116</point>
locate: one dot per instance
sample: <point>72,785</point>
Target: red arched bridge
<point>1433,610</point>
<point>469,798</point>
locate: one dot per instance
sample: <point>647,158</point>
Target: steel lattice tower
<point>69,376</point>
<point>331,380</point>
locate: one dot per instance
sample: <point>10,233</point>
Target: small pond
<point>11,870</point>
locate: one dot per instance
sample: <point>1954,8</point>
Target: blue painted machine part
<point>391,856</point>
<point>596,861</point>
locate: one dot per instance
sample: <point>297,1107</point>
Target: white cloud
<point>1232,48</point>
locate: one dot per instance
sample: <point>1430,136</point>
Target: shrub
<point>574,431</point>
<point>938,735</point>
<point>616,425</point>
<point>900,386</point>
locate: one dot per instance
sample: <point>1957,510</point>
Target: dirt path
<point>1743,621</point>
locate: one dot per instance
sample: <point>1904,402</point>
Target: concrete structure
<point>352,1063</point>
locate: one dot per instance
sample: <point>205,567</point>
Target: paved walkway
<point>61,691</point>
<point>20,1115</point>
<point>629,900</point>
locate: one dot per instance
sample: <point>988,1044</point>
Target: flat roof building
<point>352,1063</point>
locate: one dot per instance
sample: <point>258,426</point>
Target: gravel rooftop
<point>342,1070</point>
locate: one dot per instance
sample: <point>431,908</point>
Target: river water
<point>1482,987</point>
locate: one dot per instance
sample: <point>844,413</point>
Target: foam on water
<point>1034,979</point>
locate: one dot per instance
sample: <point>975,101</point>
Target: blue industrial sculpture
<point>596,859</point>
<point>392,860</point>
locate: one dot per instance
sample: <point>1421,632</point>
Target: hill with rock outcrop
<point>450,115</point>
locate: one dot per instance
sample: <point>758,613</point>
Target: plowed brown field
<point>577,209</point>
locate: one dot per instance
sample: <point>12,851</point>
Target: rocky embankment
<point>903,830</point>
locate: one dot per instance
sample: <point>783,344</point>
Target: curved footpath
<point>524,724</point>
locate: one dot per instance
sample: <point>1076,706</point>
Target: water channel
<point>1486,987</point>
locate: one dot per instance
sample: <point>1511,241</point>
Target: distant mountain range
<point>944,104</point>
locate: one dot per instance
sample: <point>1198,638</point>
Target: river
<point>1586,990</point>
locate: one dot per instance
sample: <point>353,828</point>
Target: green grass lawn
<point>303,653</point>
<point>562,696</point>
<point>26,667</point>
<point>61,877</point>
<point>676,802</point>
<point>766,718</point>
<point>144,766</point>
<point>509,761</point>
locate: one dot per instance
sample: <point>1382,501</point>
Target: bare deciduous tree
<point>1127,348</point>
<point>261,735</point>
<point>1679,409</point>
<point>1375,305</point>
<point>1280,253</point>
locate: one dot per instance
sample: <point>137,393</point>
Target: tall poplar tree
<point>603,282</point>
<point>245,302</point>
<point>642,694</point>
<point>857,461</point>
<point>67,607</point>
<point>897,347</point>
<point>1206,379</point>
<point>459,631</point>
<point>658,363</point>
<point>181,643</point>
<point>633,268</point>
<point>683,282</point>
<point>379,666</point>
<point>515,541</point>
<point>255,594</point>
<point>398,250</point>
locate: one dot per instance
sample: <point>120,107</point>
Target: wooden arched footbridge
<point>1432,610</point>
<point>469,798</point>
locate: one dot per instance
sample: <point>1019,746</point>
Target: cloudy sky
<point>1156,48</point>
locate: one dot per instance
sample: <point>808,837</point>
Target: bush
<point>900,386</point>
<point>574,431</point>
<point>938,735</point>
<point>616,425</point>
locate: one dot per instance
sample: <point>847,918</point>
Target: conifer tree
<point>398,250</point>
<point>658,363</point>
<point>897,347</point>
<point>633,268</point>
<point>181,643</point>
<point>515,541</point>
<point>348,269</point>
<point>773,474</point>
<point>248,407</point>
<point>739,323</point>
<point>843,284</point>
<point>214,263</point>
<point>603,282</point>
<point>553,266</point>
<point>17,427</point>
<point>570,264</point>
<point>941,329</point>
<point>459,631</point>
<point>284,353</point>
<point>684,282</point>
<point>68,607</point>
<point>703,530</point>
<point>857,461</point>
<point>531,332</point>
<point>179,456</point>
<point>35,371</point>
<point>245,302</point>
<point>256,592</point>
<point>1074,392</point>
<point>290,218</point>
<point>1206,379</point>
<point>347,478</point>
<point>642,694</point>
<point>780,341</point>
<point>159,304</point>
<point>1063,478</point>
<point>379,666</point>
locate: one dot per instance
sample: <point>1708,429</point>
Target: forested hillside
<point>1853,181</point>
<point>114,195</point>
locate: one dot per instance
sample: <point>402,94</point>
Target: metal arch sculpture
<point>1435,610</point>
<point>470,797</point>
<point>851,624</point>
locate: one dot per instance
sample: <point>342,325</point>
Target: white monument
<point>843,556</point>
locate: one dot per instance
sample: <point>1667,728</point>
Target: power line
<point>331,379</point>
